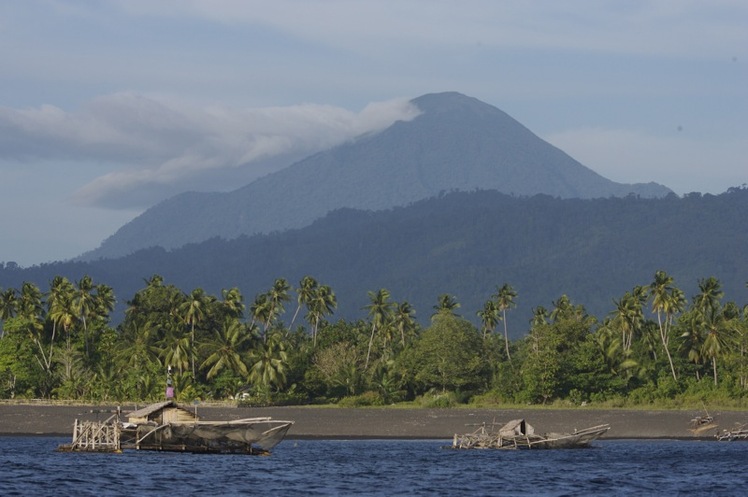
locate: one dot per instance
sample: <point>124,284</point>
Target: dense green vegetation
<point>287,346</point>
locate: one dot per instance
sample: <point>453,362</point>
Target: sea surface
<point>31,466</point>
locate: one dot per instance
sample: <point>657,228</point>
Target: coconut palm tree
<point>269,363</point>
<point>446,305</point>
<point>226,349</point>
<point>8,306</point>
<point>505,300</point>
<point>709,296</point>
<point>137,348</point>
<point>84,304</point>
<point>322,303</point>
<point>277,296</point>
<point>61,310</point>
<point>233,302</point>
<point>539,316</point>
<point>489,316</point>
<point>666,300</point>
<point>380,311</point>
<point>404,320</point>
<point>193,312</point>
<point>304,294</point>
<point>629,316</point>
<point>105,301</point>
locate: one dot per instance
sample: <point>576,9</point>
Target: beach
<point>389,422</point>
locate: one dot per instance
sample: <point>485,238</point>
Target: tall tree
<point>304,294</point>
<point>8,306</point>
<point>489,317</point>
<point>666,300</point>
<point>505,300</point>
<point>277,296</point>
<point>629,316</point>
<point>404,320</point>
<point>322,303</point>
<point>193,312</point>
<point>269,363</point>
<point>61,310</point>
<point>233,302</point>
<point>446,305</point>
<point>226,349</point>
<point>85,304</point>
<point>380,312</point>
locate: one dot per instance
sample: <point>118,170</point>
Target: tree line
<point>287,347</point>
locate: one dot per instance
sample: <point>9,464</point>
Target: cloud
<point>663,27</point>
<point>159,147</point>
<point>678,161</point>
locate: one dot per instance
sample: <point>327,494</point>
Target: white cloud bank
<point>158,147</point>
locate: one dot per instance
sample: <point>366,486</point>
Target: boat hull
<point>241,436</point>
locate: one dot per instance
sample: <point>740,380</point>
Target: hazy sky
<point>107,107</point>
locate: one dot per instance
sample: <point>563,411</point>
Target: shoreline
<point>390,423</point>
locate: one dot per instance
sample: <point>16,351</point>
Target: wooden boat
<point>703,423</point>
<point>519,434</point>
<point>166,426</point>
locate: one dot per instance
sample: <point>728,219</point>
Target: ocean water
<point>31,466</point>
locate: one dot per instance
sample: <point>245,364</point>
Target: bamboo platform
<point>94,436</point>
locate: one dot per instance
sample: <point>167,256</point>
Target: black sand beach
<point>326,422</point>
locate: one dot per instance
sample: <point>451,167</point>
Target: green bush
<point>366,399</point>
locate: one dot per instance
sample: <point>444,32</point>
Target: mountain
<point>463,244</point>
<point>457,143</point>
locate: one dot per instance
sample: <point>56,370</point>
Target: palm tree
<point>666,300</point>
<point>505,300</point>
<point>175,351</point>
<point>105,301</point>
<point>562,309</point>
<point>304,294</point>
<point>380,311</point>
<point>192,312</point>
<point>719,328</point>
<point>277,296</point>
<point>539,316</point>
<point>692,339</point>
<point>61,311</point>
<point>226,349</point>
<point>233,302</point>
<point>629,316</point>
<point>447,304</point>
<point>8,306</point>
<point>709,296</point>
<point>489,316</point>
<point>269,363</point>
<point>260,310</point>
<point>717,340</point>
<point>84,304</point>
<point>137,349</point>
<point>404,320</point>
<point>322,303</point>
<point>30,301</point>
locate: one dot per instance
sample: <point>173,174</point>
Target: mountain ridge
<point>457,143</point>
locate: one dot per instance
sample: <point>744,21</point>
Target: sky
<point>108,107</point>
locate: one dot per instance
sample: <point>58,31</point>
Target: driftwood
<point>740,432</point>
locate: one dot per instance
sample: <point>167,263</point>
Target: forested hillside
<point>464,245</point>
